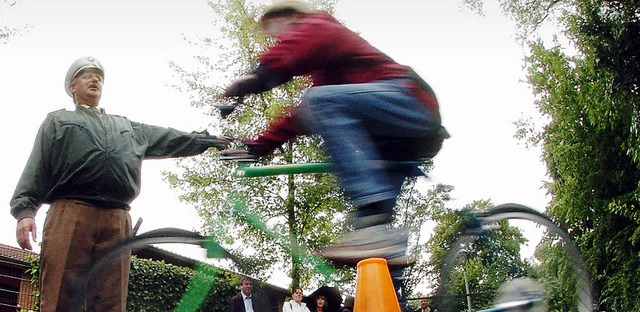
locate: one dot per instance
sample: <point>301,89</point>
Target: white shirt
<point>96,108</point>
<point>248,302</point>
<point>292,306</point>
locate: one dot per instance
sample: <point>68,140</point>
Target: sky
<point>473,63</point>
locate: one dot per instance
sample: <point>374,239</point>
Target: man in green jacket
<point>86,165</point>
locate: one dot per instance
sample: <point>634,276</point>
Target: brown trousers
<point>75,234</point>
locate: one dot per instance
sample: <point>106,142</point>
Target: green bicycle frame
<point>264,171</point>
<point>246,171</point>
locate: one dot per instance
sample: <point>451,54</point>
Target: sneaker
<point>379,241</point>
<point>520,294</point>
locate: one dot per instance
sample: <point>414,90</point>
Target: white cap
<point>287,5</point>
<point>78,66</point>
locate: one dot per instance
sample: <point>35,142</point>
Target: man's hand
<point>226,110</point>
<point>248,84</point>
<point>252,151</point>
<point>245,85</point>
<point>220,142</point>
<point>25,227</point>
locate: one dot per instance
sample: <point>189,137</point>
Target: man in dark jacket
<point>359,100</point>
<point>245,301</point>
<point>86,165</point>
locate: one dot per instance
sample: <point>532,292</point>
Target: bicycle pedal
<point>224,106</point>
<point>238,158</point>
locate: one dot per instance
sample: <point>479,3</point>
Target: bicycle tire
<point>511,211</point>
<point>158,236</point>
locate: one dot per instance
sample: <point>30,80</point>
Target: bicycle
<point>194,296</point>
<point>477,225</point>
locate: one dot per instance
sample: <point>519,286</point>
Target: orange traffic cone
<point>374,287</point>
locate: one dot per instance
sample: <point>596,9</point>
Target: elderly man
<point>86,164</point>
<point>365,106</point>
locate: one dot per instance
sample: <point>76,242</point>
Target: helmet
<point>287,5</point>
<point>78,66</point>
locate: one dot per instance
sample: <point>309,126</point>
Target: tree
<point>594,179</point>
<point>415,210</point>
<point>554,272</point>
<point>276,220</point>
<point>589,92</point>
<point>488,262</point>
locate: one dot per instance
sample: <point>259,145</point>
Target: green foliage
<point>529,16</point>
<point>591,150</point>
<point>34,272</point>
<point>554,272</point>
<point>591,98</point>
<point>490,261</point>
<point>157,286</point>
<point>415,210</point>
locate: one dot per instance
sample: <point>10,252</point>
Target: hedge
<point>155,286</point>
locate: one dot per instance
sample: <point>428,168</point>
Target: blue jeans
<point>350,117</point>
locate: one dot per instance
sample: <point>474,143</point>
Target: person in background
<point>347,306</point>
<point>321,304</point>
<point>86,164</point>
<point>425,306</point>
<point>245,301</point>
<point>295,304</point>
<point>364,105</point>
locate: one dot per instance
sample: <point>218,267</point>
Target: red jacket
<point>321,47</point>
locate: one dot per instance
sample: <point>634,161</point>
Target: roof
<point>19,256</point>
<point>159,254</point>
<point>15,253</point>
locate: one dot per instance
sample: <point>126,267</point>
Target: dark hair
<point>323,298</point>
<point>326,302</point>
<point>280,13</point>
<point>349,301</point>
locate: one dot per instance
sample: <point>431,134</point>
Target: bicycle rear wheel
<point>159,236</point>
<point>480,225</point>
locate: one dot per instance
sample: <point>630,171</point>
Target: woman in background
<point>321,304</point>
<point>295,304</point>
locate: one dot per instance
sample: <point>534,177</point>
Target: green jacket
<point>95,157</point>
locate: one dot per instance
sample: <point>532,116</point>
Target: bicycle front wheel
<point>484,223</point>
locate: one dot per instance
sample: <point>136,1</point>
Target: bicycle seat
<point>411,149</point>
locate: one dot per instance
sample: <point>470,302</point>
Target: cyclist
<point>360,99</point>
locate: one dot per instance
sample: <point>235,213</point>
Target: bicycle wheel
<point>482,223</point>
<point>159,236</point>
